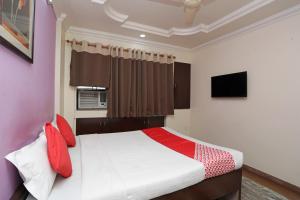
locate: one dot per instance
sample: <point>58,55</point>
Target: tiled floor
<point>273,186</point>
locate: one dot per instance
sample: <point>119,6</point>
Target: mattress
<point>129,166</point>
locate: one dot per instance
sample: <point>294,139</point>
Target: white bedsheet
<point>128,166</point>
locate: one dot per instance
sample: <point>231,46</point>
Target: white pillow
<point>34,167</point>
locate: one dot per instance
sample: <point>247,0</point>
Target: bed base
<point>227,186</point>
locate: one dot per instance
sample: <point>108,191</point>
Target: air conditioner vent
<point>91,99</point>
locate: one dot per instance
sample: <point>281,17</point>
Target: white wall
<point>180,121</point>
<point>266,124</point>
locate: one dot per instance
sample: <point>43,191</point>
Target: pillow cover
<point>34,167</point>
<point>58,154</point>
<point>66,130</point>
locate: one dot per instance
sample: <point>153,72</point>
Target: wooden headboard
<point>111,125</point>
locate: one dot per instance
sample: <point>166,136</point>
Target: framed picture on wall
<point>17,26</point>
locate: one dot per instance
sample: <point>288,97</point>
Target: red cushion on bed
<point>58,154</point>
<point>65,130</point>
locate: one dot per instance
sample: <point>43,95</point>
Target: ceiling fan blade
<point>192,3</point>
<point>191,7</point>
<point>190,14</point>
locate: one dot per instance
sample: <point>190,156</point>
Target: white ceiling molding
<point>122,18</point>
<point>250,7</point>
<point>146,28</point>
<point>190,31</point>
<point>99,1</point>
<point>76,31</point>
<point>112,13</point>
<point>257,25</point>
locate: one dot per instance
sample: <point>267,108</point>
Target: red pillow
<point>65,130</point>
<point>58,154</point>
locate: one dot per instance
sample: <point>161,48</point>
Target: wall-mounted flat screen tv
<point>229,85</point>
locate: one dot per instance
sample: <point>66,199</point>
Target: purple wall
<point>26,94</point>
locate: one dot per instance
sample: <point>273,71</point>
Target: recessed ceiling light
<point>142,35</point>
<point>50,1</point>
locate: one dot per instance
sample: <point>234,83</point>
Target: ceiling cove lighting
<point>142,35</point>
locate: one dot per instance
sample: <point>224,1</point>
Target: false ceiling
<point>163,20</point>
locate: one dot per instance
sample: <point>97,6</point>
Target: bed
<point>131,165</point>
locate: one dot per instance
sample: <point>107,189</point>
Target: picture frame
<point>17,20</point>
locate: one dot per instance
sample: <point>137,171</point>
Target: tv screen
<point>229,85</point>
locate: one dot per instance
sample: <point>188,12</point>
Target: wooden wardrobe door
<point>182,84</point>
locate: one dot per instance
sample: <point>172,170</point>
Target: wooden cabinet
<point>111,125</point>
<point>182,85</point>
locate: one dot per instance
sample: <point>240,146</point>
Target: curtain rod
<point>106,47</point>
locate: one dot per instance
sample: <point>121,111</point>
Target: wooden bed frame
<point>227,186</point>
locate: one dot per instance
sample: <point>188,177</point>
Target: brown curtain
<point>140,88</point>
<point>122,93</point>
<point>90,64</point>
<point>89,69</point>
<point>140,83</point>
<point>157,91</point>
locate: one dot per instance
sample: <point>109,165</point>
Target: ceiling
<point>163,20</point>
